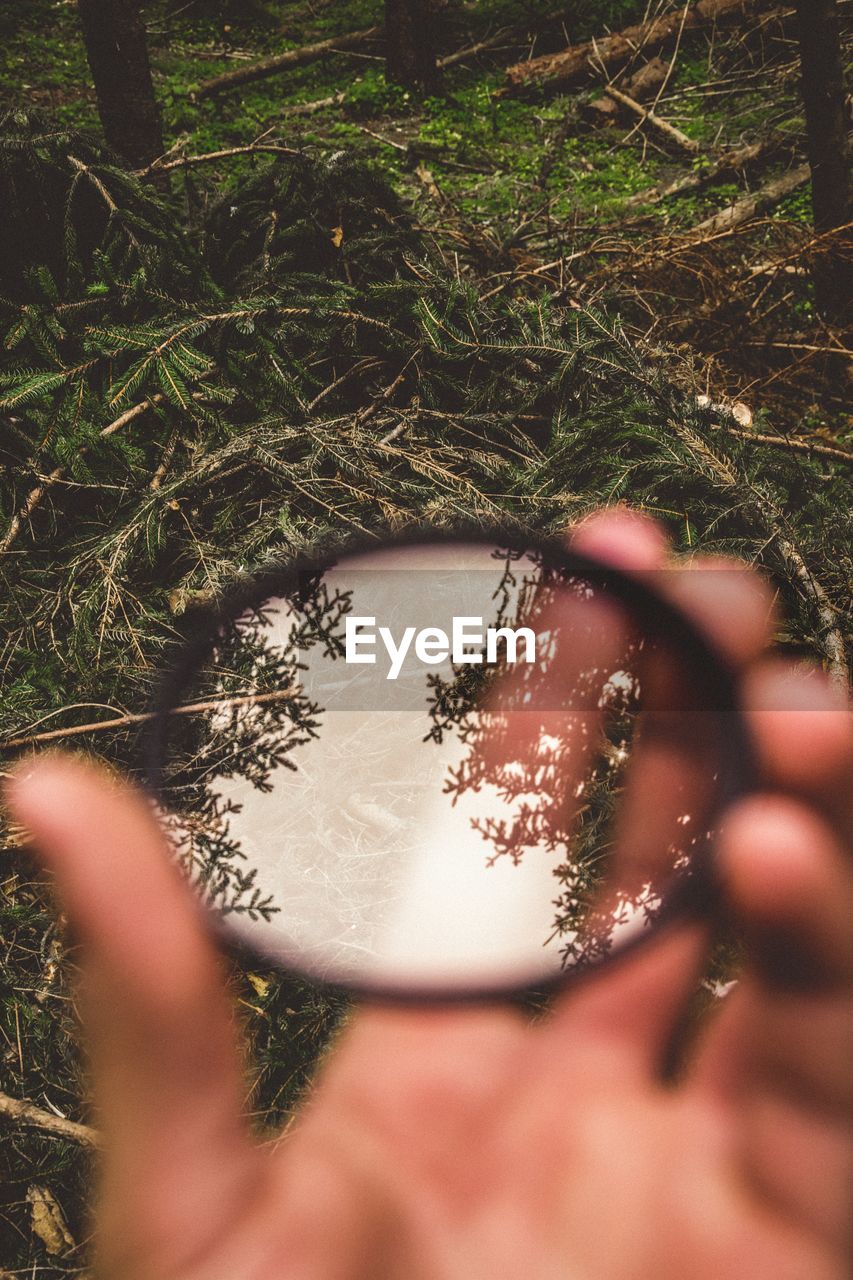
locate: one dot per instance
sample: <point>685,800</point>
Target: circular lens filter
<point>443,767</point>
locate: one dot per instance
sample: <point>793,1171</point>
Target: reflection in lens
<point>437,767</point>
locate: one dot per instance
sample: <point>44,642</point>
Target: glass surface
<point>442,767</point>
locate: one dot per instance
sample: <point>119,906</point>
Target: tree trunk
<point>118,57</point>
<point>828,148</point>
<point>410,44</point>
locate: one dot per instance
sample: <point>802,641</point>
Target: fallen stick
<point>340,98</point>
<point>145,717</point>
<point>165,461</point>
<point>789,442</point>
<point>492,42</point>
<point>647,116</point>
<point>611,52</point>
<point>389,142</point>
<point>189,162</point>
<point>757,203</point>
<point>284,61</point>
<point>317,104</point>
<point>730,162</point>
<point>33,1117</point>
<point>451,59</point>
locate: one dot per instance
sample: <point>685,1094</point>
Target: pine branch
<point>41,490</point>
<point>831,639</point>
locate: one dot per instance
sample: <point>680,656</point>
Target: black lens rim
<point>696,895</point>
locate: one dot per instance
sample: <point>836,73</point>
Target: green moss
<point>797,206</point>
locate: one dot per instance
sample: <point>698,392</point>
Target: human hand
<point>465,1142</point>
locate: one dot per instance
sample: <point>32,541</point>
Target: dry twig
<point>144,717</point>
<point>318,104</point>
<point>790,442</point>
<point>729,162</point>
<point>472,51</point>
<point>165,460</point>
<point>189,162</point>
<point>32,1117</point>
<point>647,116</point>
<point>284,61</point>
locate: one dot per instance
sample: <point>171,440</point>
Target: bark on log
<point>645,83</point>
<point>729,162</point>
<point>756,203</point>
<point>284,61</point>
<point>611,52</point>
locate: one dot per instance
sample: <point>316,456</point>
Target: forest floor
<point>541,192</point>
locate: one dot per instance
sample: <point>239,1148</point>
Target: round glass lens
<point>449,767</point>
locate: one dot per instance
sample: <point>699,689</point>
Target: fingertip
<point>787,885</point>
<point>734,606</point>
<point>769,850</point>
<point>802,727</point>
<point>30,781</point>
<point>621,537</point>
<point>798,687</point>
<point>51,794</point>
<point>160,1031</point>
<point>36,790</point>
<point>114,875</point>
